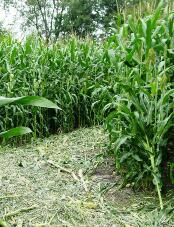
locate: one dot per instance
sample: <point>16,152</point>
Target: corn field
<point>67,73</point>
<point>125,82</point>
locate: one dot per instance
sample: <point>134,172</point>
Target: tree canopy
<point>55,18</point>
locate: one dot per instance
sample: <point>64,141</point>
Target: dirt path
<point>65,181</point>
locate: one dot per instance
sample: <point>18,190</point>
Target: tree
<point>109,9</point>
<point>80,18</point>
<point>38,15</point>
<point>41,14</point>
<point>55,18</point>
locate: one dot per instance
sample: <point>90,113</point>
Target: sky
<point>12,21</point>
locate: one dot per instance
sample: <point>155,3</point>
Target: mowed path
<point>64,180</point>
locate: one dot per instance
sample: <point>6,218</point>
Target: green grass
<point>29,180</point>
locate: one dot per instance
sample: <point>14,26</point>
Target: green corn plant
<point>141,111</point>
<point>27,100</point>
<point>125,81</point>
<point>66,72</point>
<point>137,128</point>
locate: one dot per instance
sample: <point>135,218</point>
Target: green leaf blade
<point>29,100</point>
<point>18,131</point>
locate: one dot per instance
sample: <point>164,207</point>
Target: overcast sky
<point>12,21</point>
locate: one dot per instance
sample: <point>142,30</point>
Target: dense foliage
<point>125,81</point>
<point>52,19</point>
<point>67,73</point>
<point>142,121</point>
<point>25,100</point>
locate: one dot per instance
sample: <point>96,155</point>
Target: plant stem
<point>8,215</point>
<point>156,181</point>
